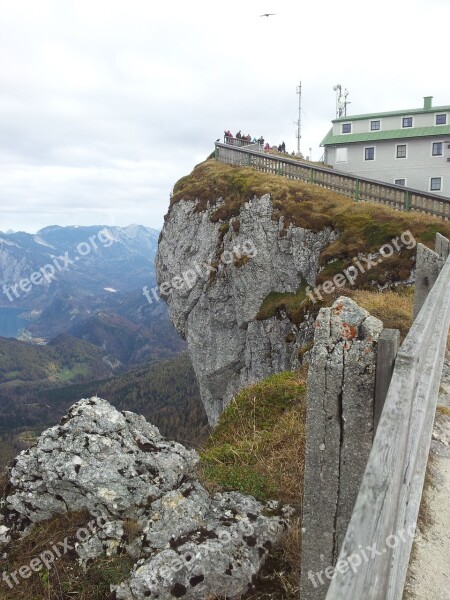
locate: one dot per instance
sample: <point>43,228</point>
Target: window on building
<point>437,149</point>
<point>400,182</point>
<point>346,127</point>
<point>341,155</point>
<point>369,153</point>
<point>441,119</point>
<point>407,122</point>
<point>401,151</point>
<point>435,184</point>
<point>375,125</point>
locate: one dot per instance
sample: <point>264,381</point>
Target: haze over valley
<point>73,317</point>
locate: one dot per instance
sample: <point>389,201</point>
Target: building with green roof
<point>408,147</point>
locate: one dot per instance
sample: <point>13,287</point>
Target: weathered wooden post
<point>388,345</point>
<point>428,267</point>
<point>339,435</point>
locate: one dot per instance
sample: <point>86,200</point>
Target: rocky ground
<point>117,467</point>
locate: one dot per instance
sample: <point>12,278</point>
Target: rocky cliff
<point>228,271</point>
<point>237,252</point>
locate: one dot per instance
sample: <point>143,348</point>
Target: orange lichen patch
<point>337,308</point>
<point>349,332</point>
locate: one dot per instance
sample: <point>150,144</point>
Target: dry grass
<point>258,444</point>
<point>66,579</point>
<point>132,529</point>
<point>393,307</point>
<point>444,410</point>
<point>4,483</point>
<point>258,449</point>
<point>279,577</point>
<point>364,226</point>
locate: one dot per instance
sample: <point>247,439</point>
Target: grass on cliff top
<point>212,180</point>
<point>258,449</point>
<point>362,227</point>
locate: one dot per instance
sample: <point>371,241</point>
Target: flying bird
<point>268,15</point>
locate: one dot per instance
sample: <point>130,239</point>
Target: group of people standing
<point>260,141</point>
<point>246,138</point>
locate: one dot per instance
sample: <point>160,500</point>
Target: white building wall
<point>417,168</point>
<point>390,123</point>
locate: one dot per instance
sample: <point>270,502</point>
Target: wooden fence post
<point>388,345</point>
<point>428,266</point>
<point>408,200</point>
<point>357,190</point>
<point>339,433</point>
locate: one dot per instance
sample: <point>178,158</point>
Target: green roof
<point>395,113</point>
<point>392,134</point>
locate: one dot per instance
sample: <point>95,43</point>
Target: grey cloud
<point>104,106</point>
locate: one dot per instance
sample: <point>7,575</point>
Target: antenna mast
<point>299,122</point>
<point>341,101</point>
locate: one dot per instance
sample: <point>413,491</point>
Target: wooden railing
<point>242,143</point>
<point>400,198</point>
<point>379,537</point>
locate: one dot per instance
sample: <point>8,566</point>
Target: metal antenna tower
<point>341,101</point>
<point>299,122</point>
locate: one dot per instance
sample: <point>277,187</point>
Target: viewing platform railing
<point>242,143</point>
<point>248,154</point>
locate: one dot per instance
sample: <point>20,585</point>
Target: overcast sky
<point>104,105</point>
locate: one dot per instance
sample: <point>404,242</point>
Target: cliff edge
<point>228,269</point>
<point>237,253</point>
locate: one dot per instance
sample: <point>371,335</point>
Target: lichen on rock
<point>147,503</point>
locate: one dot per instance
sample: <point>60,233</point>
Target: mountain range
<point>89,263</point>
<point>88,322</point>
<point>88,282</point>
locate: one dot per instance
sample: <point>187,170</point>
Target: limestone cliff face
<point>216,310</point>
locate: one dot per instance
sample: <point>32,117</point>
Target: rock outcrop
<point>118,467</point>
<point>216,310</point>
